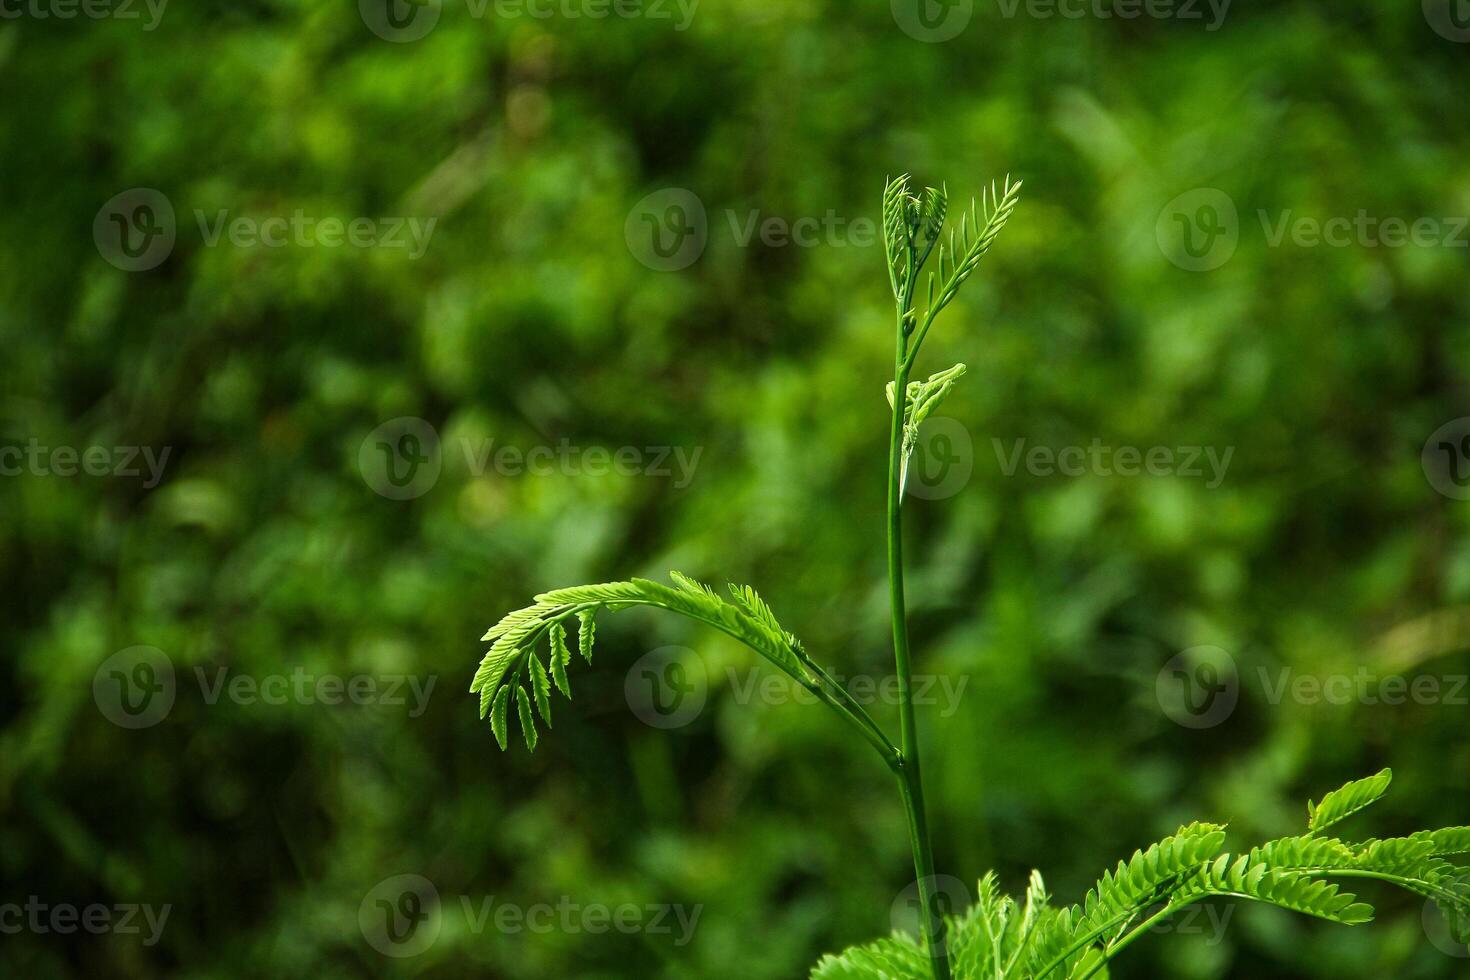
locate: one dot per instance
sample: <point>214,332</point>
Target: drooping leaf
<point>541,688</point>
<point>586,631</point>
<point>498,718</point>
<point>528,720</point>
<point>560,657</point>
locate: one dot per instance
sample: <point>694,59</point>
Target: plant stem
<point>910,780</point>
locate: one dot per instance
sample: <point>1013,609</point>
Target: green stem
<point>910,780</point>
<point>1132,937</point>
<point>845,705</point>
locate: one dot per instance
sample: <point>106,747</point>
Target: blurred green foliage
<point>529,320</point>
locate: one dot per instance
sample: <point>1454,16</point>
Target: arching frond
<point>514,662</point>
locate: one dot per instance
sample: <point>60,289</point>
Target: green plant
<point>998,938</point>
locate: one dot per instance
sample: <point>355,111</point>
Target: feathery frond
<point>995,940</point>
<point>1342,803</point>
<point>512,658</point>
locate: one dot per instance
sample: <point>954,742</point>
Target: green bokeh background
<point>530,320</point>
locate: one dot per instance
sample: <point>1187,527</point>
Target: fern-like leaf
<point>1342,803</point>
<point>512,661</point>
<point>560,657</point>
<point>586,631</point>
<point>528,720</point>
<point>540,687</point>
<point>898,958</point>
<point>498,720</point>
